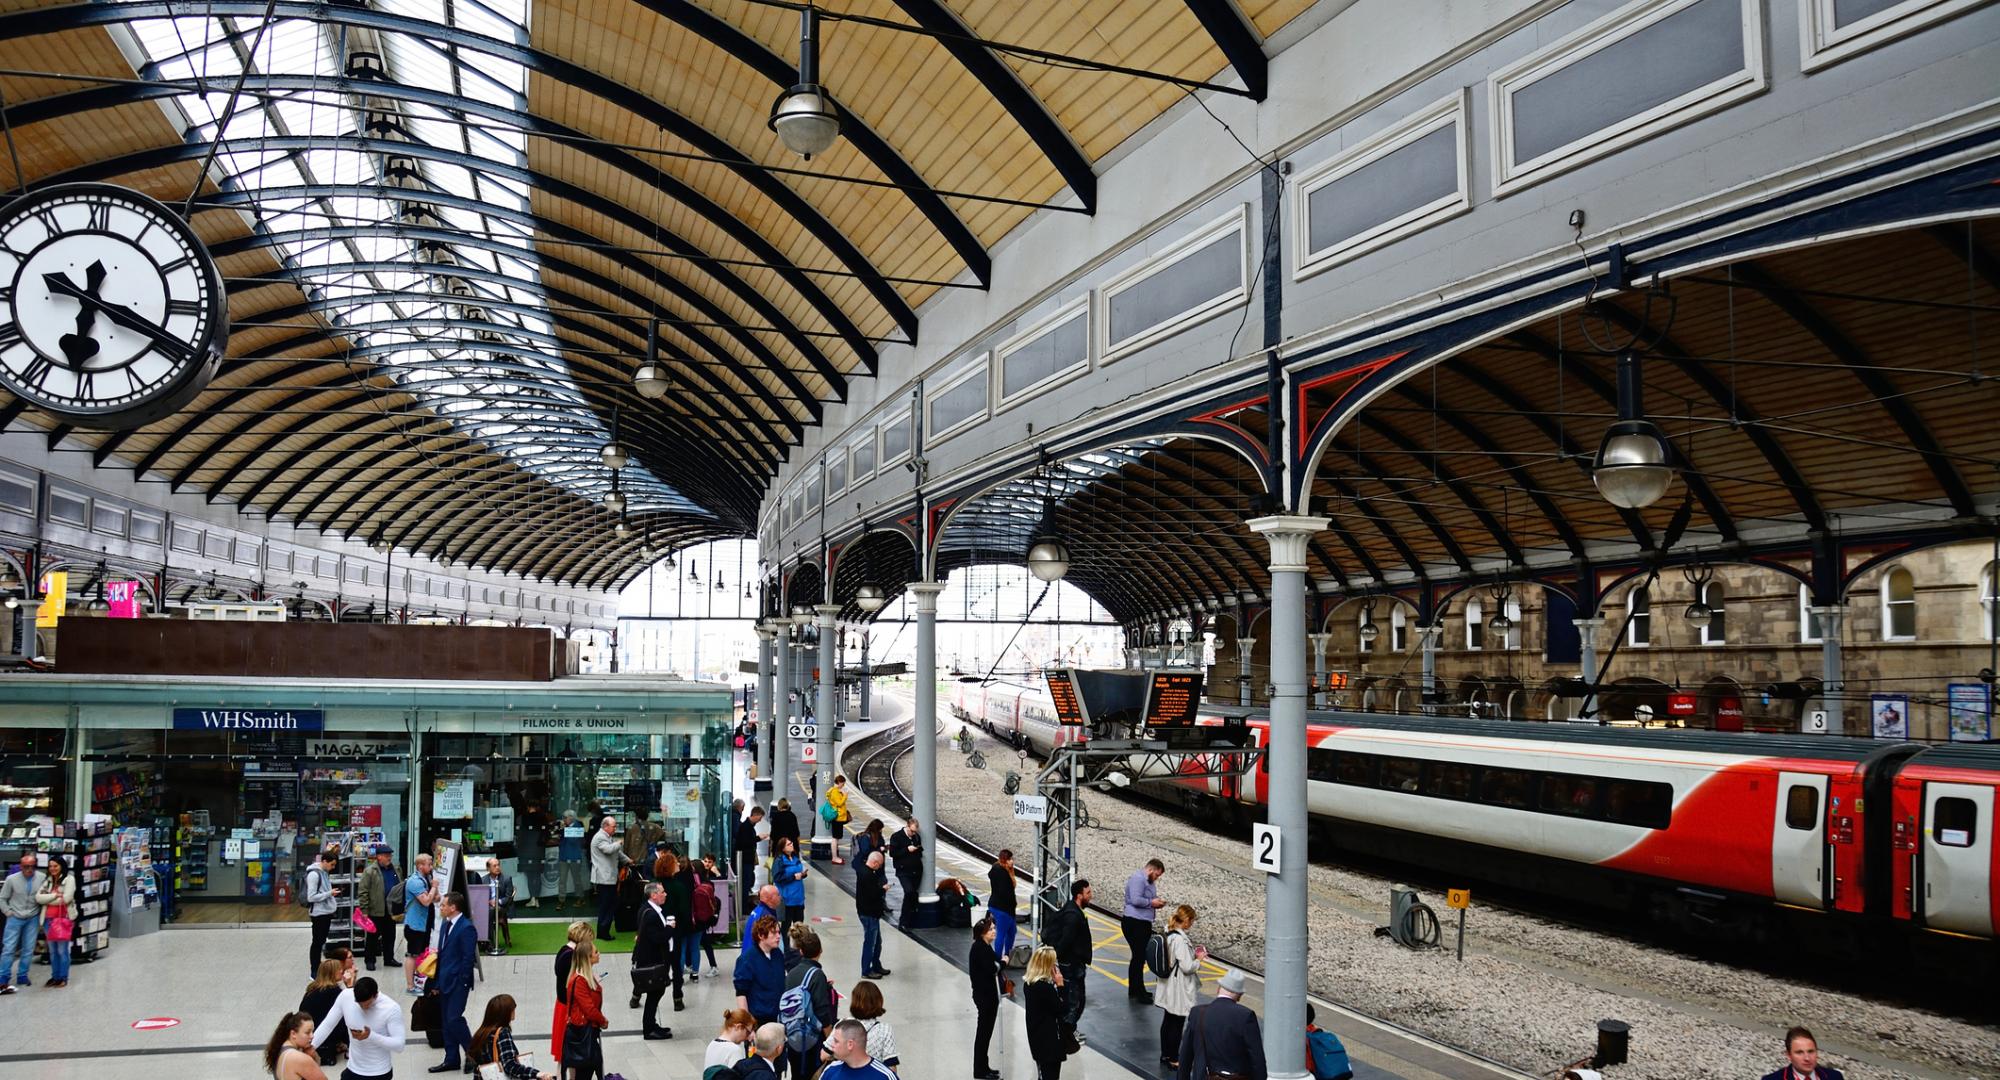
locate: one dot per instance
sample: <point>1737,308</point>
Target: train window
<point>1356,769</point>
<point>1644,803</point>
<point>1575,796</point>
<point>1320,765</point>
<point>1512,788</point>
<point>1802,807</point>
<point>1955,822</point>
<point>1401,774</point>
<point>1446,780</point>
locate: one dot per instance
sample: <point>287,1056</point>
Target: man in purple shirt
<point>1140,903</point>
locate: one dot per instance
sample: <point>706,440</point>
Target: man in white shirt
<point>374,1031</point>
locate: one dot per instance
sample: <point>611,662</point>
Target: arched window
<point>1989,598</point>
<point>1399,629</point>
<point>1899,605</point>
<point>1511,638</point>
<point>1809,631</point>
<point>1475,624</point>
<point>1712,597</point>
<point>1367,616</point>
<point>1639,603</point>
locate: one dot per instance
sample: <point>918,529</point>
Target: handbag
<point>363,923</point>
<point>59,926</point>
<point>580,1046</point>
<point>648,977</point>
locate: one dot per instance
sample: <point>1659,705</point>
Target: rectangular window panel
<point>1511,788</point>
<point>1645,803</point>
<point>895,439</point>
<point>1801,807</point>
<point>1401,774</point>
<point>958,402</point>
<point>1176,289</point>
<point>1447,780</point>
<point>812,490</point>
<point>109,520</point>
<point>280,561</point>
<point>1045,354</point>
<point>17,493</point>
<point>147,530</point>
<point>1646,68</point>
<point>247,553</point>
<point>186,539</point>
<point>215,546</point>
<point>1571,796</point>
<point>836,472</point>
<point>68,508</point>
<point>1396,183</point>
<point>1955,823</point>
<point>1849,12</point>
<point>1837,29</point>
<point>864,457</point>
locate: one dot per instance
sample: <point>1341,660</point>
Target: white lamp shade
<point>651,381</point>
<point>613,456</point>
<point>1048,559</point>
<point>1631,470</point>
<point>805,120</point>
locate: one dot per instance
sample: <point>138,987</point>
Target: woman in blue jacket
<point>788,873</point>
<point>760,972</point>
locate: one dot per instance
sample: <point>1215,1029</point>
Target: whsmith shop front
<point>241,780</point>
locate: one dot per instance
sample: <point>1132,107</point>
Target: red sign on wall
<point>1680,704</point>
<point>1729,714</point>
<point>365,816</point>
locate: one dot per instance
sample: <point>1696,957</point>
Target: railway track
<point>879,755</point>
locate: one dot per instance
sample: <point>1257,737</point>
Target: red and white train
<point>1699,827</point>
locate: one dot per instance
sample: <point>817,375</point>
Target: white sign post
<point>809,753</point>
<point>802,731</point>
<point>1266,842</point>
<point>1031,808</point>
<point>1816,722</point>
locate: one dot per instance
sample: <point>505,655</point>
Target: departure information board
<point>1068,703</point>
<point>1171,699</point>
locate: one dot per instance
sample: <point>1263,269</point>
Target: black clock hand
<point>121,315</point>
<point>79,347</point>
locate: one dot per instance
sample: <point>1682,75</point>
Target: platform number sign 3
<point>112,313</point>
<point>1266,847</point>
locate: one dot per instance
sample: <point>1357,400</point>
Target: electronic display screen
<point>1171,699</point>
<point>1068,703</point>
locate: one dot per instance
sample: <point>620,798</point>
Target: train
<point>1716,832</point>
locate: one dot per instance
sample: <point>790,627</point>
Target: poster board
<point>447,875</point>
<point>1889,715</point>
<point>1968,715</point>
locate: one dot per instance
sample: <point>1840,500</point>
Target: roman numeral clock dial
<point>112,313</point>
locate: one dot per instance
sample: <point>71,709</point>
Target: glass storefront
<point>33,784</point>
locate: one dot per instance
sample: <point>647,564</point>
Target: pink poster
<point>123,596</point>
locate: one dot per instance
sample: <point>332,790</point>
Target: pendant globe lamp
<point>1048,553</point>
<point>1632,469</point>
<point>611,454</point>
<point>614,503</point>
<point>651,379</point>
<point>1369,631</point>
<point>804,116</point>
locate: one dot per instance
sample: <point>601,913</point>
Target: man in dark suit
<point>906,851</point>
<point>1802,1059</point>
<point>1222,1037</point>
<point>652,954</point>
<point>458,951</point>
<point>746,856</point>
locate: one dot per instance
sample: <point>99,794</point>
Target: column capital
<point>1828,611</point>
<point>1288,535</point>
<point>766,630</point>
<point>828,614</point>
<point>1591,623</point>
<point>927,595</point>
<point>1246,643</point>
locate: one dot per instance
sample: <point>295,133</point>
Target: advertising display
<point>1891,715</point>
<point>1970,717</point>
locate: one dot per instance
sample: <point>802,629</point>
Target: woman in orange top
<point>586,1006</point>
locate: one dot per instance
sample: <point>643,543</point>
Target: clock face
<point>112,314</point>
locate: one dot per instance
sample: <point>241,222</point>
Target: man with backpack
<point>806,1007</point>
<point>321,898</point>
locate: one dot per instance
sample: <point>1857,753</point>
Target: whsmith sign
<point>249,720</point>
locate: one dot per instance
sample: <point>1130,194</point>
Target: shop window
<point>1475,624</point>
<point>956,403</point>
<point>69,508</point>
<point>1899,605</point>
<point>1639,606</point>
<point>107,520</point>
<point>1809,629</point>
<point>1389,186</point>
<point>1802,807</point>
<point>1955,822</point>
<point>1048,352</point>
<point>1195,279</point>
<point>1716,631</point>
<point>17,493</point>
<point>1646,68</point>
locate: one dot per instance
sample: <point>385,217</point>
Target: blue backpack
<point>795,1011</point>
<point>1329,1057</point>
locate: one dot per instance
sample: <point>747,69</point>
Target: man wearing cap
<point>371,897</point>
<point>1222,1037</point>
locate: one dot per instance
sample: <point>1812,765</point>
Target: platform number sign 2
<point>1266,847</point>
<point>112,313</point>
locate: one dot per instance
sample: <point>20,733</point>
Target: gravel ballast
<point>1529,992</point>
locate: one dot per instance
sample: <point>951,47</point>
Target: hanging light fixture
<point>804,116</point>
<point>614,503</point>
<point>1502,596</point>
<point>611,454</point>
<point>651,379</point>
<point>1699,613</point>
<point>1048,553</point>
<point>1369,631</point>
<point>869,597</point>
<point>622,529</point>
<point>1631,469</point>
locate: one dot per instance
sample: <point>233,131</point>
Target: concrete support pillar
<point>1429,638</point>
<point>829,634</point>
<point>1586,635</point>
<point>1285,944</point>
<point>1324,699</point>
<point>767,671</point>
<point>1246,647</point>
<point>1832,674</point>
<point>924,805</point>
<point>781,712</point>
